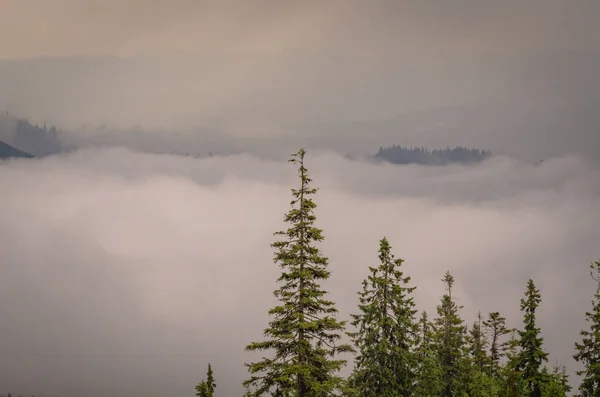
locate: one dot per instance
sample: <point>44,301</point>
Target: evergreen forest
<point>396,154</point>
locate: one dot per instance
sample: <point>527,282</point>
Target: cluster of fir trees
<point>419,155</point>
<point>397,352</point>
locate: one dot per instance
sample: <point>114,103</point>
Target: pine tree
<point>207,387</point>
<point>451,343</point>
<point>512,384</point>
<point>481,383</point>
<point>386,329</point>
<point>588,350</point>
<point>558,382</point>
<point>496,328</point>
<point>429,372</point>
<point>478,345</point>
<point>304,330</point>
<point>532,354</point>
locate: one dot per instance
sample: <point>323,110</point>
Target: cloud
<point>125,273</point>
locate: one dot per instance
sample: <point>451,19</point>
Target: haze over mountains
<point>45,141</point>
<point>167,103</point>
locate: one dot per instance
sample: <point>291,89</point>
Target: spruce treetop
<point>303,332</point>
<point>532,355</point>
<point>386,330</point>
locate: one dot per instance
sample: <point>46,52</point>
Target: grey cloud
<point>125,273</point>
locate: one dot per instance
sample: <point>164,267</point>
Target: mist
<point>126,273</point>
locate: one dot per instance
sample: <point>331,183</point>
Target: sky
<point>126,273</point>
<point>266,27</point>
<point>516,77</point>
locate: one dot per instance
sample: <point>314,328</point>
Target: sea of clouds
<point>125,273</point>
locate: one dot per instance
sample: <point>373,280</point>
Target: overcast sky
<point>520,76</point>
<point>124,273</point>
<point>267,27</point>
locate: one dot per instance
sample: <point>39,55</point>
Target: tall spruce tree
<point>495,326</point>
<point>588,350</point>
<point>451,343</point>
<point>386,330</point>
<point>207,387</point>
<point>304,330</point>
<point>532,354</point>
<point>428,381</point>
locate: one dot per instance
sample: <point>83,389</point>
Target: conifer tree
<point>207,387</point>
<point>557,382</point>
<point>531,354</point>
<point>511,376</point>
<point>478,345</point>
<point>386,329</point>
<point>588,350</point>
<point>481,383</point>
<point>303,332</point>
<point>451,343</point>
<point>428,376</point>
<point>496,328</point>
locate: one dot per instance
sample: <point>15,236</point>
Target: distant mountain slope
<point>29,138</point>
<point>458,155</point>
<point>7,151</point>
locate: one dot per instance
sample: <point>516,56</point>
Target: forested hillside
<point>30,138</point>
<point>403,155</point>
<point>7,151</point>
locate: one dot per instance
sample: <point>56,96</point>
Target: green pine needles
<point>386,331</point>
<point>207,387</point>
<point>588,350</point>
<point>531,355</point>
<point>303,333</point>
<point>451,343</point>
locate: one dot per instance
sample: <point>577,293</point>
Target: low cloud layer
<point>126,273</point>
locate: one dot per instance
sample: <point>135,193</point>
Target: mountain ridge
<point>7,152</point>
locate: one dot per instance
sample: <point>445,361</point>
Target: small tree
<point>304,331</point>
<point>532,354</point>
<point>478,345</point>
<point>511,376</point>
<point>386,329</point>
<point>496,328</point>
<point>428,382</point>
<point>451,343</point>
<point>207,387</point>
<point>588,350</point>
<point>556,383</point>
